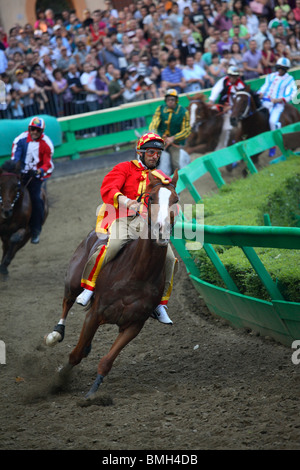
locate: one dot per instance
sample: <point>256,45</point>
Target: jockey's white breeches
<point>225,133</point>
<point>275,111</point>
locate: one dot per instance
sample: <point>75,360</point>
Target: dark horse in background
<point>249,118</point>
<point>128,288</point>
<point>206,124</point>
<point>15,213</point>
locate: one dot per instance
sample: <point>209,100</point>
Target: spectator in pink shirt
<point>222,21</point>
<point>296,11</point>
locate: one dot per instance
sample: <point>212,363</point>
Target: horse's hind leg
<point>105,364</point>
<point>58,333</point>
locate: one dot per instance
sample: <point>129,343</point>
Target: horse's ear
<point>18,166</point>
<point>175,177</point>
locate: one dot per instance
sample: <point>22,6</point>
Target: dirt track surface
<point>198,384</point>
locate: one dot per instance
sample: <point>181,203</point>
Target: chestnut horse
<point>249,118</point>
<point>15,213</point>
<point>128,288</point>
<point>206,124</point>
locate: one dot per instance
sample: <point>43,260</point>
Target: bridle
<point>18,192</point>
<point>148,193</point>
<point>246,113</point>
<point>147,200</point>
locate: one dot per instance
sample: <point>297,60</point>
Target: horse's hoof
<point>3,271</point>
<point>3,277</point>
<point>53,338</point>
<point>56,336</point>
<point>94,387</point>
<point>97,399</point>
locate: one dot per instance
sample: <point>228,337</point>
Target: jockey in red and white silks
<point>279,88</point>
<point>225,89</point>
<point>34,150</point>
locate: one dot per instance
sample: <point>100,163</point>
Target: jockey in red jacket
<point>122,193</point>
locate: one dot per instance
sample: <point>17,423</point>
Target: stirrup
<point>160,314</point>
<point>84,297</point>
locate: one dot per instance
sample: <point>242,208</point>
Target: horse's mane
<point>11,167</point>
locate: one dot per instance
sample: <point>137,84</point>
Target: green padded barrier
<point>11,128</point>
<point>278,318</point>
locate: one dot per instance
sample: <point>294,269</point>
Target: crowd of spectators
<point>61,65</point>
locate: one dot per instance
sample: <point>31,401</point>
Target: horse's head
<point>162,208</point>
<point>243,106</point>
<point>10,183</point>
<point>198,110</point>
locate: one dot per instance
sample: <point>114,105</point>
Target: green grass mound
<point>274,191</point>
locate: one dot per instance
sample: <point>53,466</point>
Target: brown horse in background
<point>249,118</point>
<point>128,288</point>
<point>206,124</point>
<point>15,213</point>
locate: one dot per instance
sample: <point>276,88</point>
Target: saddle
<point>101,239</point>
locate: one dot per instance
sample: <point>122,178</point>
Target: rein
<point>7,173</point>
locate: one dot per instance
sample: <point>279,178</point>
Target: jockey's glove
<point>131,204</point>
<point>35,173</point>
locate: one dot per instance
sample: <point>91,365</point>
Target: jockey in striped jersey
<point>279,88</point>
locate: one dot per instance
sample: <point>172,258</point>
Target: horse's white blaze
<point>193,114</point>
<point>163,213</point>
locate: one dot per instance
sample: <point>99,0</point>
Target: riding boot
<point>35,239</point>
<point>84,297</point>
<point>160,314</point>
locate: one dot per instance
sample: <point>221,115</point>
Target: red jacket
<point>129,179</point>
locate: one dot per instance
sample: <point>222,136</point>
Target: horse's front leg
<point>10,247</point>
<point>18,236</point>
<point>5,261</point>
<point>83,347</point>
<point>106,363</point>
<point>58,333</point>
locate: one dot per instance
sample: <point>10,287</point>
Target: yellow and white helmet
<point>171,92</point>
